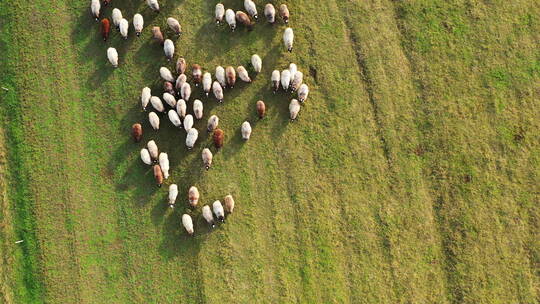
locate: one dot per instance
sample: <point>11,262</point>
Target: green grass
<point>411,175</point>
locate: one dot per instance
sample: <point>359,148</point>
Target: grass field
<point>411,176</point>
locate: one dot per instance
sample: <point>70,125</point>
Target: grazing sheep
<point>251,8</point>
<point>158,175</point>
<point>174,25</point>
<point>220,76</point>
<point>243,74</point>
<point>244,19</point>
<point>188,122</point>
<point>168,48</point>
<point>188,224</point>
<point>181,65</point>
<point>293,69</point>
<point>181,108</point>
<point>246,130</point>
<point>173,194</point>
<point>261,108</point>
<point>297,81</point>
<point>193,196</point>
<point>218,138</point>
<point>231,76</point>
<point>276,78</point>
<point>288,38</point>
<point>191,138</point>
<point>174,118</point>
<point>124,27</point>
<point>284,13</point>
<point>166,74</point>
<point>270,13</point>
<point>207,214</point>
<point>153,149</point>
<point>186,91</point>
<point>218,211</point>
<point>95,6</point>
<point>164,164</point>
<point>303,92</point>
<point>196,70</point>
<point>116,17</point>
<point>153,4</point>
<point>220,12</point>
<point>136,132</point>
<point>154,120</point>
<point>207,158</point>
<point>106,2</point>
<point>169,99</point>
<point>230,17</point>
<point>213,122</point>
<point>256,62</point>
<point>145,156</point>
<point>138,23</point>
<point>207,83</point>
<point>285,79</point>
<point>112,55</point>
<point>218,91</point>
<point>105,28</point>
<point>168,88</point>
<point>157,104</point>
<point>182,78</point>
<point>198,109</point>
<point>229,203</point>
<point>145,97</point>
<point>294,108</point>
<point>157,35</point>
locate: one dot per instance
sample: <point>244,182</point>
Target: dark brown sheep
<point>136,132</point>
<point>218,138</point>
<point>196,70</point>
<point>106,2</point>
<point>105,28</point>
<point>157,35</point>
<point>158,175</point>
<point>261,108</point>
<point>169,88</point>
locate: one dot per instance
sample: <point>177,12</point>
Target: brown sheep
<point>105,28</point>
<point>106,2</point>
<point>196,70</point>
<point>136,132</point>
<point>284,13</point>
<point>244,19</point>
<point>181,66</point>
<point>230,73</point>
<point>218,138</point>
<point>157,35</point>
<point>169,88</point>
<point>261,108</point>
<point>158,175</point>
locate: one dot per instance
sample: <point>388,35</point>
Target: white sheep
<point>220,12</point>
<point>285,79</point>
<point>95,6</point>
<point>157,104</point>
<point>276,79</point>
<point>145,156</point>
<point>193,196</point>
<point>270,13</point>
<point>191,138</point>
<point>169,99</point>
<point>198,109</point>
<point>116,17</point>
<point>173,194</point>
<point>112,55</point>
<point>181,108</point>
<point>145,97</point>
<point>207,158</point>
<point>207,83</point>
<point>246,130</point>
<point>188,223</point>
<point>154,120</point>
<point>293,69</point>
<point>256,62</point>
<point>164,164</point>
<point>218,211</point>
<point>213,122</point>
<point>166,74</point>
<point>229,203</point>
<point>303,92</point>
<point>297,81</point>
<point>207,214</point>
<point>153,149</point>
<point>153,4</point>
<point>188,122</point>
<point>174,118</point>
<point>294,108</point>
<point>180,82</point>
<point>186,91</point>
<point>251,9</point>
<point>288,38</point>
<point>243,74</point>
<point>138,23</point>
<point>174,25</point>
<point>220,76</point>
<point>230,17</point>
<point>218,91</point>
<point>168,48</point>
<point>124,27</point>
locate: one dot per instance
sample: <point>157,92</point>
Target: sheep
<point>153,4</point>
<point>297,81</point>
<point>293,69</point>
<point>106,2</point>
<point>124,27</point>
<point>116,17</point>
<point>256,62</point>
<point>270,13</point>
<point>153,149</point>
<point>261,108</point>
<point>186,91</point>
<point>207,83</point>
<point>206,158</point>
<point>105,28</point>
<point>243,74</point>
<point>229,204</point>
<point>284,13</point>
<point>191,138</point>
<point>169,99</point>
<point>196,71</point>
<point>294,108</point>
<point>245,130</point>
<point>188,122</point>
<point>220,12</point>
<point>166,74</point>
<point>181,65</point>
<point>157,104</point>
<point>218,211</point>
<point>213,122</point>
<point>145,156</point>
<point>154,120</point>
<point>169,88</point>
<point>230,17</point>
<point>231,76</point>
<point>303,92</point>
<point>218,138</point>
<point>220,76</point>
<point>138,23</point>
<point>198,109</point>
<point>136,132</point>
<point>95,6</point>
<point>174,118</point>
<point>193,196</point>
<point>288,38</point>
<point>174,25</point>
<point>168,48</point>
<point>251,8</point>
<point>276,78</point>
<point>164,164</point>
<point>181,108</point>
<point>158,175</point>
<point>157,35</point>
<point>145,97</point>
<point>244,19</point>
<point>207,214</point>
<point>173,194</point>
<point>285,79</point>
<point>112,55</point>
<point>218,91</point>
<point>182,78</point>
<point>188,224</point>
